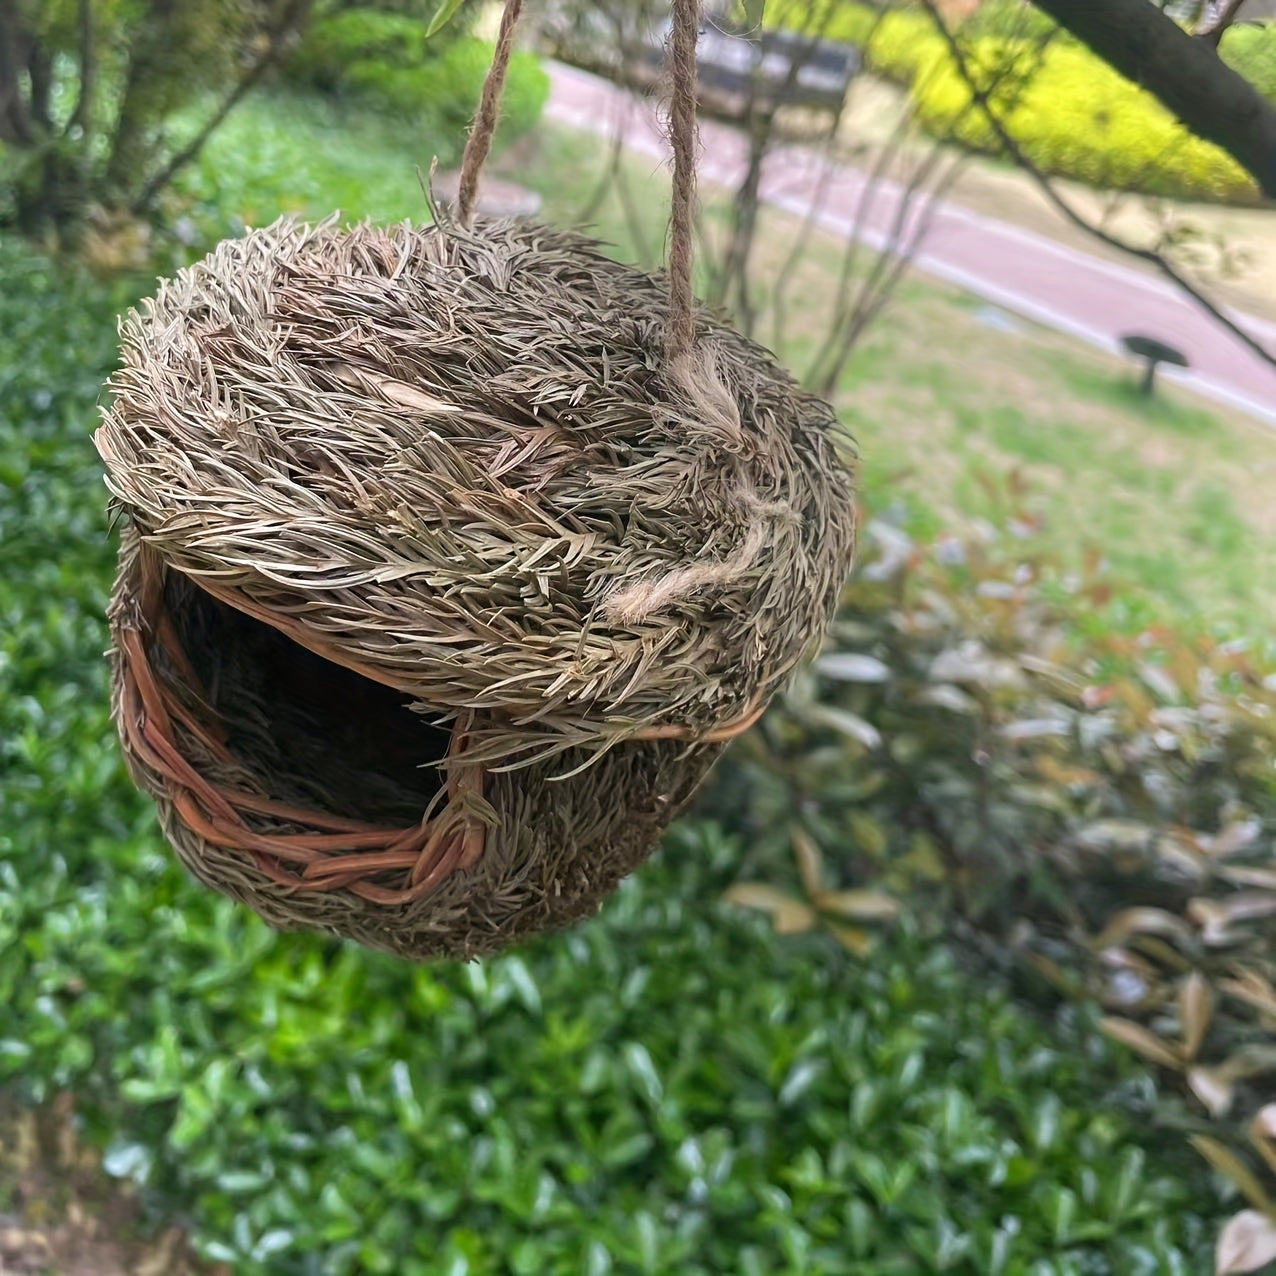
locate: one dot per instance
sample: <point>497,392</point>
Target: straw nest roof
<point>453,466</point>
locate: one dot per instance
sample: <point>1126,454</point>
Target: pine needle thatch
<point>440,592</point>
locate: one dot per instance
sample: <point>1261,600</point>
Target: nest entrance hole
<point>315,733</point>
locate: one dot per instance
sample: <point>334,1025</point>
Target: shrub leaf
<point>1213,1090</point>
<point>861,906</point>
<point>789,916</point>
<point>1196,1009</point>
<point>1230,1166</point>
<point>1247,1243</point>
<point>852,666</point>
<point>1138,1038</point>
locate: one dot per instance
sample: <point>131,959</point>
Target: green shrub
<point>460,77</point>
<point>1251,51</point>
<point>385,60</point>
<point>339,42</point>
<point>1102,805</point>
<point>1073,116</point>
<point>668,1089</point>
<point>1009,20</point>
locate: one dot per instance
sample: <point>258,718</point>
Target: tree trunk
<point>130,146</point>
<point>15,126</point>
<point>1184,73</point>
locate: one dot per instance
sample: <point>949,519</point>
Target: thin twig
<point>889,267</point>
<point>277,42</point>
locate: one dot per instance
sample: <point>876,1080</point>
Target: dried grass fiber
<point>424,537</point>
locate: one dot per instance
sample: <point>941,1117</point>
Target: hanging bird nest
<point>440,592</point>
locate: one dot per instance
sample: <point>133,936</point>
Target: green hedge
<point>669,1089</point>
<point>386,61</point>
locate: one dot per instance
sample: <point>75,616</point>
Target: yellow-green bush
<point>898,43</point>
<point>848,23</point>
<point>1250,50</point>
<point>1076,117</point>
<point>1072,114</point>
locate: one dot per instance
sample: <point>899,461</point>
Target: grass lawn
<point>947,400</point>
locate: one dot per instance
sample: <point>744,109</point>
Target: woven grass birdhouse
<point>439,592</point>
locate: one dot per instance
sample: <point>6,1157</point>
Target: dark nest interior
<point>325,737</point>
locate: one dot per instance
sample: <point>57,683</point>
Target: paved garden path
<point>1028,274</point>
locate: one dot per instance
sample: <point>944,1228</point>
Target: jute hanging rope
<point>682,138</point>
<point>454,556</point>
<point>484,130</point>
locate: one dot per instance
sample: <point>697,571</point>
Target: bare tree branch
<point>761,121</point>
<point>1016,152</point>
<point>88,69</point>
<point>1186,74</point>
<point>785,276</point>
<point>919,199</point>
<point>585,215</point>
